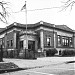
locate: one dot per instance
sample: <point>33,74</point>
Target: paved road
<point>56,69</point>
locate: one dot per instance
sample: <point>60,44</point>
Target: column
<point>74,40</point>
<point>54,40</point>
<point>25,42</point>
<point>41,40</point>
<point>36,44</point>
<point>14,41</point>
<point>5,41</point>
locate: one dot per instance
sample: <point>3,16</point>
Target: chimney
<point>41,22</point>
<point>53,25</point>
<point>15,23</point>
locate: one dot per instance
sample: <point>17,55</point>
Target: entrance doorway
<point>31,45</point>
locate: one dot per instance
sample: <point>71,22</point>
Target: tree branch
<point>69,3</point>
<point>4,12</point>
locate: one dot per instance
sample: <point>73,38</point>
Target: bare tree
<point>3,15</point>
<point>3,11</point>
<point>68,3</point>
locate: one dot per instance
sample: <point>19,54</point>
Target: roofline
<point>35,26</point>
<point>58,28</point>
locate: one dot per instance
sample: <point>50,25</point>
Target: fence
<point>22,53</point>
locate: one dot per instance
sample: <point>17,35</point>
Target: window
<point>31,45</point>
<point>11,43</point>
<point>21,44</point>
<point>59,40</point>
<point>70,41</point>
<point>65,41</point>
<point>48,41</point>
<point>8,44</point>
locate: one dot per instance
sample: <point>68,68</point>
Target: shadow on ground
<point>70,62</point>
<point>8,67</point>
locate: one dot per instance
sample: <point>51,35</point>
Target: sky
<point>54,16</point>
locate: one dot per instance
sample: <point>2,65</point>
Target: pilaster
<point>54,40</point>
<point>25,42</point>
<point>14,41</point>
<point>74,39</point>
<point>41,40</point>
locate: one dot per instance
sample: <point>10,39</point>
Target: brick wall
<point>63,33</point>
<point>9,37</point>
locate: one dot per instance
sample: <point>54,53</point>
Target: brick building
<point>40,36</point>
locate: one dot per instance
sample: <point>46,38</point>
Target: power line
<point>35,9</point>
<point>43,9</point>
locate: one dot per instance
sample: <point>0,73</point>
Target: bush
<point>51,52</point>
<point>68,52</point>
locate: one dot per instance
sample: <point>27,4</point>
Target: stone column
<point>74,40</point>
<point>41,40</point>
<point>54,40</point>
<point>14,41</point>
<point>25,42</point>
<point>5,41</point>
<point>36,44</point>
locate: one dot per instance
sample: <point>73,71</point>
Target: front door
<point>31,45</point>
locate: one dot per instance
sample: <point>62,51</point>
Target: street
<point>59,69</point>
<point>44,66</point>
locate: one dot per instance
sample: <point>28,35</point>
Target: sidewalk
<point>39,62</point>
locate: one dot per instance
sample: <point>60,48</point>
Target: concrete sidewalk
<point>39,62</point>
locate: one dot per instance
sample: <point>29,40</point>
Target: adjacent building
<point>38,37</point>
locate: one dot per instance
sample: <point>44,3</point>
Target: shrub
<point>68,52</point>
<point>51,52</point>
